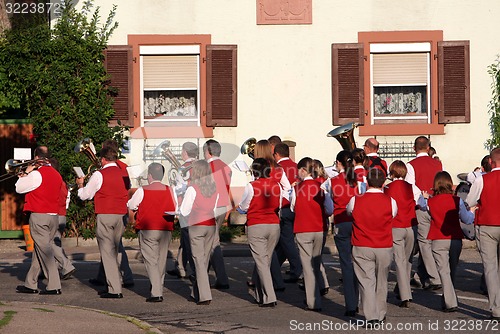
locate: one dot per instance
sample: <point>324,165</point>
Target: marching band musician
<point>189,154</point>
<point>359,158</point>
<point>484,193</point>
<point>342,188</point>
<point>311,207</point>
<point>222,177</point>
<point>110,195</point>
<point>372,216</point>
<point>446,235</point>
<point>261,202</point>
<point>155,225</point>
<point>42,186</point>
<point>371,149</point>
<point>421,172</point>
<point>199,204</point>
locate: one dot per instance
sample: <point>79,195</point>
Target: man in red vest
<point>222,177</point>
<point>421,172</point>
<point>107,188</point>
<point>488,220</point>
<point>155,225</point>
<point>371,149</point>
<point>42,186</point>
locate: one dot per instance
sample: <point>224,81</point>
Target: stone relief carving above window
<point>284,11</point>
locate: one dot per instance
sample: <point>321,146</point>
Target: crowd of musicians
<point>379,214</point>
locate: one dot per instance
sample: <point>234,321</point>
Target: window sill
<point>401,129</point>
<point>171,132</point>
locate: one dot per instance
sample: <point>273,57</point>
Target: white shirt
<point>247,197</point>
<point>352,202</point>
<point>410,174</point>
<point>476,189</point>
<point>29,182</point>
<point>94,184</point>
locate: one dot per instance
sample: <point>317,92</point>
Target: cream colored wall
<point>284,72</point>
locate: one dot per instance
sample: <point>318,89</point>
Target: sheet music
<point>79,172</point>
<point>241,166</point>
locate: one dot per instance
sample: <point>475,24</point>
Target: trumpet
<point>16,167</point>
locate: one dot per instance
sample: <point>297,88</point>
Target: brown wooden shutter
<point>118,63</point>
<point>221,85</point>
<point>454,80</point>
<point>347,83</point>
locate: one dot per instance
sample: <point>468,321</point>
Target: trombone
<point>15,167</point>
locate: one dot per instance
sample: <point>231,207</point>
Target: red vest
<point>377,162</point>
<point>402,192</point>
<point>123,167</point>
<point>488,212</point>
<point>45,198</point>
<point>63,196</point>
<point>112,197</point>
<point>372,226</point>
<point>222,177</point>
<point>202,212</point>
<point>342,193</point>
<point>265,203</point>
<point>426,169</point>
<point>309,207</point>
<point>445,221</point>
<point>158,198</point>
<point>361,174</point>
<point>291,172</point>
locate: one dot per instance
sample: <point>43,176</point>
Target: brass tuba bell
<point>345,135</point>
<point>248,147</point>
<point>86,147</point>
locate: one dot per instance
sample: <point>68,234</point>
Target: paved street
<point>233,311</point>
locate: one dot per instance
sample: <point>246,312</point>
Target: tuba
<point>248,147</point>
<point>177,168</point>
<point>86,147</point>
<point>345,135</point>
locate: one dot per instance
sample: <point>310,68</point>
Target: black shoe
<point>111,295</point>
<point>405,304</point>
<point>280,289</point>
<point>51,292</point>
<point>307,308</point>
<point>102,292</point>
<point>349,313</point>
<point>23,289</point>
<point>291,280</point>
<point>302,286</point>
<point>272,305</point>
<point>432,287</point>
<point>251,284</point>
<point>220,286</point>
<point>414,283</point>
<point>154,299</point>
<point>205,302</point>
<point>493,318</point>
<point>96,282</point>
<point>324,291</point>
<point>175,273</point>
<point>451,309</point>
<point>68,275</point>
<point>128,285</point>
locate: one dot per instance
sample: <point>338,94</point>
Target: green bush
<point>494,105</point>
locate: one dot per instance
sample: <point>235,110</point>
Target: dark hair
<point>306,164</point>
<point>111,143</point>
<point>443,183</point>
<point>108,153</point>
<point>375,177</point>
<point>398,169</point>
<point>261,168</point>
<point>485,163</point>
<point>359,156</point>
<point>274,140</point>
<point>201,175</point>
<point>42,152</point>
<point>318,169</point>
<point>282,149</point>
<point>54,163</point>
<point>213,147</point>
<point>191,149</point>
<point>422,143</point>
<point>346,160</point>
<point>156,171</point>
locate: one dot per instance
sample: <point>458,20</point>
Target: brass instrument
<point>248,147</point>
<point>15,167</point>
<point>345,135</point>
<point>86,147</point>
<point>177,168</point>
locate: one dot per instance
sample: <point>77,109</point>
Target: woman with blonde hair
<point>200,201</point>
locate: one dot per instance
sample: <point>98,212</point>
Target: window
<point>400,83</point>
<point>170,83</point>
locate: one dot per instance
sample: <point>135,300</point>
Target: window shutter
<point>454,79</point>
<point>347,83</point>
<point>118,66</point>
<point>221,85</point>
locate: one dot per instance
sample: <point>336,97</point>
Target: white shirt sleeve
<point>92,187</point>
<point>29,182</point>
<point>410,174</point>
<point>350,205</point>
<point>187,202</point>
<point>293,198</point>
<point>134,202</point>
<point>246,198</point>
<point>394,208</point>
<point>475,192</point>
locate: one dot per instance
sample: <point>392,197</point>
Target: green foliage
<point>494,105</point>
<point>58,77</point>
